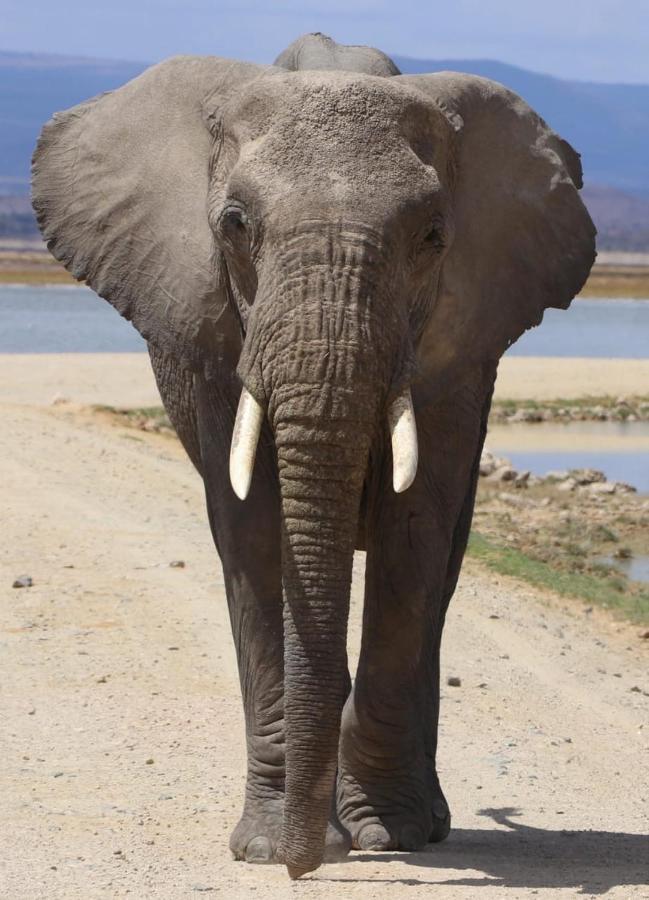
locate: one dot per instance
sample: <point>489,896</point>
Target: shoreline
<point>126,379</point>
<point>620,276</point>
<point>544,378</point>
<point>635,290</point>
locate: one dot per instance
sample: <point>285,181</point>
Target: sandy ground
<point>550,378</point>
<point>120,727</point>
<point>126,379</point>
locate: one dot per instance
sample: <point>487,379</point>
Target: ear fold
<point>523,239</point>
<point>120,186</point>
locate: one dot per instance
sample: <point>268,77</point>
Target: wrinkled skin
<point>325,238</point>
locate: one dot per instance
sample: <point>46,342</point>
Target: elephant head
<point>335,238</point>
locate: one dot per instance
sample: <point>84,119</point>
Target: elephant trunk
<point>321,470</point>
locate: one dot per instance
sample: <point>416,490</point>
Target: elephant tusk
<point>245,437</point>
<point>403,430</point>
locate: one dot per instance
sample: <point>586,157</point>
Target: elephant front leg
<point>388,792</point>
<point>255,605</point>
<point>247,537</point>
<point>257,632</point>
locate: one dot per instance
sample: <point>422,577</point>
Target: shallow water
<point>636,568</point>
<point>590,328</point>
<point>620,450</point>
<point>62,319</point>
<point>633,468</point>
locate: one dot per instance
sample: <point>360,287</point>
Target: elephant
<point>318,51</point>
<point>327,260</point>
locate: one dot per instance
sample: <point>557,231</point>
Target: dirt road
<point>120,728</point>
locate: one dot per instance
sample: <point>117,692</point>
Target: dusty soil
<point>121,733</point>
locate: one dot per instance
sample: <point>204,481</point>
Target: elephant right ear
<point>522,239</point>
<point>120,186</point>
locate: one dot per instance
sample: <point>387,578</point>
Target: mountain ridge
<point>608,124</point>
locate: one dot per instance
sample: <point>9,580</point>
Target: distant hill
<point>32,88</point>
<point>622,219</point>
<point>607,123</point>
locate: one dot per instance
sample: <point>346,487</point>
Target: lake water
<point>62,319</point>
<point>66,319</point>
<point>592,328</point>
<point>636,568</point>
<point>619,449</point>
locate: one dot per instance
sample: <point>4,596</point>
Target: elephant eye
<point>234,224</point>
<point>434,238</point>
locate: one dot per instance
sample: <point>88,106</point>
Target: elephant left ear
<point>523,239</point>
<point>120,188</point>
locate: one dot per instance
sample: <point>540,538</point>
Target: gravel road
<point>120,727</point>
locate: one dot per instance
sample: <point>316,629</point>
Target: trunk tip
<point>295,872</point>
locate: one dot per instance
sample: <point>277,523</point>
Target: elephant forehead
<point>324,103</point>
<point>284,163</point>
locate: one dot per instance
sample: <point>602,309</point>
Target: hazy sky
<point>603,40</point>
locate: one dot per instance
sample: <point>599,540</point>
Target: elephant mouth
<point>250,418</point>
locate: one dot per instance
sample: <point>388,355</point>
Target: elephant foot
<point>257,834</point>
<point>397,816</point>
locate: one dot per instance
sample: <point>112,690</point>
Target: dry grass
<point>36,267</point>
<point>618,281</point>
<point>40,275</point>
<point>33,267</point>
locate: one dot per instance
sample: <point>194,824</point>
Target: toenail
<point>373,837</point>
<point>440,809</point>
<point>259,850</point>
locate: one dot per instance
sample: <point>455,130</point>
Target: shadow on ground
<point>589,862</point>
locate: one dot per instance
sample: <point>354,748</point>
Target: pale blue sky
<point>599,40</point>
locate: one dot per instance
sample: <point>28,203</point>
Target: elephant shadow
<point>588,862</point>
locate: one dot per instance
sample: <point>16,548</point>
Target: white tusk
<point>403,430</point>
<point>247,428</point>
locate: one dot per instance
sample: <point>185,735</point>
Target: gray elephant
<point>327,260</point>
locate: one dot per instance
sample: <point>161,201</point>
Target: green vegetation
<point>611,409</point>
<point>607,588</point>
<point>607,402</point>
<point>146,418</point>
